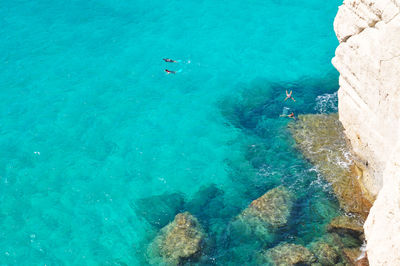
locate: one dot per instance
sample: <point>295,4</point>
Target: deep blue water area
<point>100,148</point>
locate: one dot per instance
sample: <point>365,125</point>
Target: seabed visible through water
<point>100,149</point>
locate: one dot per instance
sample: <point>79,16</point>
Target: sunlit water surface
<point>96,140</point>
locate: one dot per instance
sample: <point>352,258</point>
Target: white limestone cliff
<point>382,227</point>
<point>368,59</point>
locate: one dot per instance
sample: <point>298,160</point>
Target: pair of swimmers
<point>289,96</point>
<point>168,60</point>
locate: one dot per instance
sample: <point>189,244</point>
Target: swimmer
<point>169,60</point>
<point>289,95</point>
<point>170,71</point>
<point>291,115</point>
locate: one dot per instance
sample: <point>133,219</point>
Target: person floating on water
<point>289,95</point>
<point>291,115</point>
<point>170,71</point>
<point>170,60</point>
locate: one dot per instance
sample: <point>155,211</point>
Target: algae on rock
<point>266,214</point>
<point>287,254</point>
<point>325,253</point>
<point>320,138</point>
<point>179,241</point>
<point>272,208</point>
<point>346,224</point>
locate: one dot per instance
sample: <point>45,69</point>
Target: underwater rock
<point>273,208</point>
<point>346,224</point>
<point>263,217</point>
<point>325,253</point>
<point>321,140</point>
<point>159,210</point>
<point>288,254</point>
<point>179,241</point>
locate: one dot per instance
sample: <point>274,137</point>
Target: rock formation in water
<point>368,59</point>
<point>179,241</point>
<point>288,254</point>
<point>265,215</point>
<point>321,140</point>
<point>325,253</point>
<point>272,208</point>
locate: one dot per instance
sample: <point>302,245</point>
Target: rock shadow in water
<point>159,210</point>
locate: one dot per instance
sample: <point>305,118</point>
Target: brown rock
<point>273,208</point>
<point>321,140</point>
<point>346,224</point>
<point>325,253</point>
<point>264,215</point>
<point>288,254</point>
<point>180,240</point>
<point>354,257</point>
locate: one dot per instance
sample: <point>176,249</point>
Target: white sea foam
<point>326,103</point>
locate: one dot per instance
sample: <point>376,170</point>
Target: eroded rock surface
<point>288,254</point>
<point>177,242</point>
<point>370,88</point>
<point>368,59</point>
<point>325,253</point>
<point>321,140</point>
<point>265,215</point>
<point>346,224</point>
<point>272,208</point>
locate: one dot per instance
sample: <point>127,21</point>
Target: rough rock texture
<point>368,59</point>
<point>346,224</point>
<point>321,140</point>
<point>288,254</point>
<point>272,208</point>
<point>382,228</point>
<point>180,240</point>
<point>325,253</point>
<point>356,257</point>
<point>265,215</point>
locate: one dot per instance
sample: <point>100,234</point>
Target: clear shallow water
<point>91,125</point>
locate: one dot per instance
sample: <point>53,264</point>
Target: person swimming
<point>170,71</point>
<point>289,95</point>
<point>291,115</point>
<point>169,60</point>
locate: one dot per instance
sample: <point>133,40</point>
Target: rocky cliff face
<point>368,59</point>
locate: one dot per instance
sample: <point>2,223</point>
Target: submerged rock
<point>263,217</point>
<point>346,224</point>
<point>273,208</point>
<point>325,253</point>
<point>179,241</point>
<point>321,140</point>
<point>288,254</point>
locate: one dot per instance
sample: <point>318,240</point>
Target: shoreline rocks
<point>347,225</point>
<point>321,139</point>
<point>368,61</point>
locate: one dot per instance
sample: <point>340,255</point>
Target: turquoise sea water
<point>99,148</point>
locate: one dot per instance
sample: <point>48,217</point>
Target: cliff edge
<point>368,59</point>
